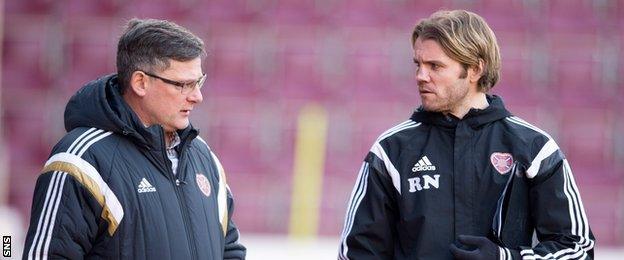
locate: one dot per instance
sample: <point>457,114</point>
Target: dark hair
<point>149,45</point>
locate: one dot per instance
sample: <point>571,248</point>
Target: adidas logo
<point>145,186</point>
<point>423,165</point>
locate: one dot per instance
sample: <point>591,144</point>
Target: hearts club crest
<point>502,162</point>
<point>203,184</point>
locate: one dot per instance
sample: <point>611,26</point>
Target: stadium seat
<point>31,7</point>
<point>574,16</point>
<point>586,135</point>
<point>27,58</point>
<point>91,9</point>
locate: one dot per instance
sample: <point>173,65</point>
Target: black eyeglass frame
<point>199,83</point>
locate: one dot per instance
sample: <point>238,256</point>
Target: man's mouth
<point>425,91</point>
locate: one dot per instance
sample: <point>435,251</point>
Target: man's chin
<point>176,127</point>
<point>183,125</point>
<point>430,108</point>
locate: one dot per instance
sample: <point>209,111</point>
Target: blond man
<point>463,178</point>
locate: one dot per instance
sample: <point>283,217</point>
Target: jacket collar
<point>475,118</point>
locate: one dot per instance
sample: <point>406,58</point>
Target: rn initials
<point>415,183</point>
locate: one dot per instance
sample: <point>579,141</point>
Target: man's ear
<point>138,83</point>
<point>475,72</point>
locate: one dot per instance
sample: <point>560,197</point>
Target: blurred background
<point>297,92</point>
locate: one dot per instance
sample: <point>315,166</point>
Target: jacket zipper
<point>176,186</point>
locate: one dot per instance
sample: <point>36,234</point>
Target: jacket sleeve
<point>556,209</point>
<point>64,218</point>
<point>369,231</point>
<point>233,248</point>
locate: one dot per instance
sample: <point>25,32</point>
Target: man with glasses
<point>132,179</point>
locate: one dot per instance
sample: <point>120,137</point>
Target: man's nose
<point>422,75</point>
<point>195,96</point>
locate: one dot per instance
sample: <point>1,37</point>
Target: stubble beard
<point>449,103</point>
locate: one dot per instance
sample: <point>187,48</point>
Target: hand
<point>481,248</point>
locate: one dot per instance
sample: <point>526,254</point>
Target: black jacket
<point>433,178</point>
<point>108,191</point>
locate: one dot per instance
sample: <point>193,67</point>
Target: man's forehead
<point>191,69</point>
<point>427,49</point>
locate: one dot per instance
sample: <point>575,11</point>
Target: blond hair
<point>465,37</point>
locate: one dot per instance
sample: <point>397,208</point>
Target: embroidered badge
<point>502,162</point>
<point>203,184</point>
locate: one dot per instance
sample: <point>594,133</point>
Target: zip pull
<point>178,182</point>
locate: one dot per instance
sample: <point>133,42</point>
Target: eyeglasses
<point>185,88</point>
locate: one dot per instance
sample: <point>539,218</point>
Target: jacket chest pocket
<point>200,188</point>
<point>198,181</point>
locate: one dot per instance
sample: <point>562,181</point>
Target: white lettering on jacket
<point>424,182</point>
